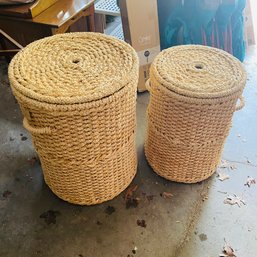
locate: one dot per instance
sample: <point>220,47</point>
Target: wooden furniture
<point>8,52</point>
<point>28,23</point>
<point>27,10</point>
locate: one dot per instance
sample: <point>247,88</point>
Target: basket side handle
<point>148,84</point>
<point>34,130</point>
<point>241,103</point>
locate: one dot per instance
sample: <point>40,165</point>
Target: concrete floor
<point>194,222</point>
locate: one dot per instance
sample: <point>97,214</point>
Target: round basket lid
<point>198,71</point>
<point>73,68</point>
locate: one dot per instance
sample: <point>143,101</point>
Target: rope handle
<point>33,130</point>
<point>148,85</point>
<point>241,104</point>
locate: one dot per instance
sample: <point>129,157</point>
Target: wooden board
<point>40,6</point>
<point>27,10</point>
<point>17,10</point>
<point>62,11</point>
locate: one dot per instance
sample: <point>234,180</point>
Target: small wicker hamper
<point>77,92</point>
<point>193,94</point>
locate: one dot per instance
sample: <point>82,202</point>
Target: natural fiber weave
<point>194,92</point>
<point>77,93</point>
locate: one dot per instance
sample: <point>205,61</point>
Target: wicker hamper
<point>194,92</point>
<point>77,93</point>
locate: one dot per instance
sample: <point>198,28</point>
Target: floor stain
<point>6,194</point>
<point>50,216</point>
<point>110,210</point>
<point>203,237</point>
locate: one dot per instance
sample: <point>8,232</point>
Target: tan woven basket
<point>194,91</point>
<point>77,93</point>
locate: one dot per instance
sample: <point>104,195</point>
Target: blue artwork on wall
<point>217,23</point>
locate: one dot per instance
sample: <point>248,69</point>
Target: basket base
<point>172,176</point>
<point>80,201</point>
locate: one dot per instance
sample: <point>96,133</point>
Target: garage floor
<point>193,221</point>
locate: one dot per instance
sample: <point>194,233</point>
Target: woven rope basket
<point>194,92</point>
<point>77,93</point>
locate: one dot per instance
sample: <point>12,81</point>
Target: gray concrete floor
<point>194,222</point>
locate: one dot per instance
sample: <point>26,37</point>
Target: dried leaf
<point>250,181</point>
<point>167,195</point>
<point>131,201</point>
<point>6,193</point>
<point>134,251</point>
<point>130,192</point>
<point>223,176</point>
<point>228,251</point>
<point>234,199</point>
<point>141,223</point>
<point>224,164</point>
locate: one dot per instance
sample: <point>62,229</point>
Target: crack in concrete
<point>247,164</point>
<point>193,218</point>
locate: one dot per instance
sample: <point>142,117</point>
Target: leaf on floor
<point>131,201</point>
<point>6,193</point>
<point>250,181</point>
<point>223,176</point>
<point>50,216</point>
<point>134,251</point>
<point>224,164</point>
<point>234,199</point>
<point>141,223</point>
<point>227,165</point>
<point>130,191</point>
<point>166,195</point>
<point>228,251</point>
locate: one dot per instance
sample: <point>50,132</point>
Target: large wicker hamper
<point>77,93</point>
<point>194,92</point>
